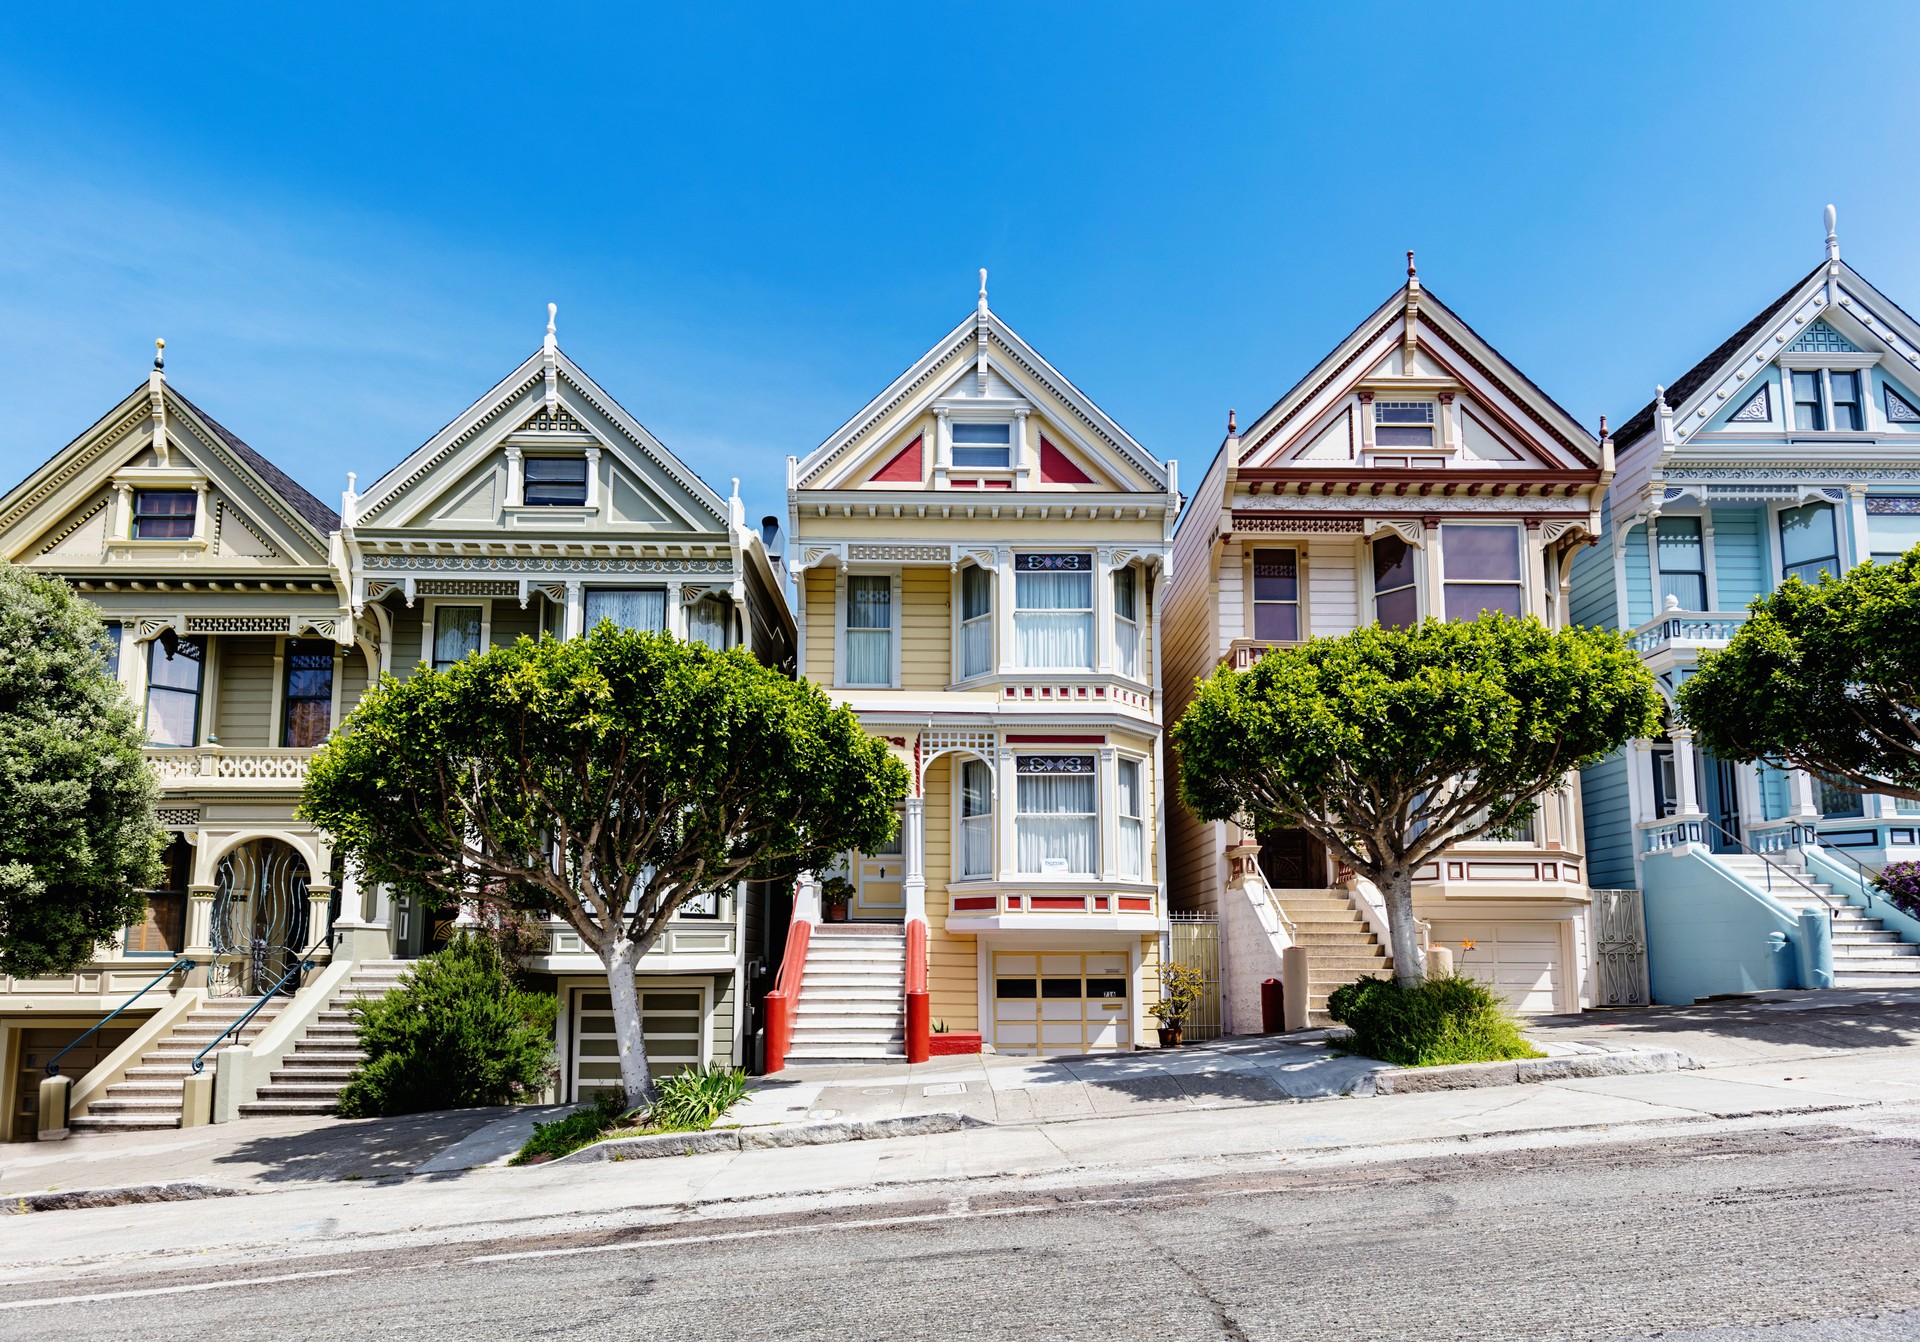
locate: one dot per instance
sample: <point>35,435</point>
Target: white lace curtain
<point>976,820</point>
<point>1132,828</point>
<point>869,631</point>
<point>1054,819</point>
<point>1053,620</point>
<point>641,608</point>
<point>710,621</point>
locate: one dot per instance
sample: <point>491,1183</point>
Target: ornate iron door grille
<point>259,918</point>
<point>1620,946</point>
<point>1193,939</point>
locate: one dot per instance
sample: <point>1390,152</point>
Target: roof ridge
<point>308,508</point>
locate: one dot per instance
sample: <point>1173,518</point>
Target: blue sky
<point>348,220</point>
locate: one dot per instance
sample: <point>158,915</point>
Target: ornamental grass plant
<point>1433,1022</point>
<point>692,1100</point>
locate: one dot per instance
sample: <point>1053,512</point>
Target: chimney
<point>771,538</point>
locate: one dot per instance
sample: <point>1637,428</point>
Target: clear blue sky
<point>347,221</point>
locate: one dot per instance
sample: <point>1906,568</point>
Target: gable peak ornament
<point>983,288</point>
<point>1833,234</point>
<point>549,352</point>
<point>159,355</point>
<point>157,401</point>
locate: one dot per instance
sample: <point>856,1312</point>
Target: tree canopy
<point>78,838</point>
<point>1392,745</point>
<point>1825,677</point>
<point>606,780</point>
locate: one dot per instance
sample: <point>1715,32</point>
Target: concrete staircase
<point>1340,945</point>
<point>1866,953</point>
<point>853,1003</point>
<point>310,1079</point>
<point>151,1094</point>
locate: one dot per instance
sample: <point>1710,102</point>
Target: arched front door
<point>259,918</point>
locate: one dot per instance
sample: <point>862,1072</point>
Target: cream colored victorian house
<point>979,556</point>
<point>1413,473</point>
<point>229,629</point>
<point>545,507</point>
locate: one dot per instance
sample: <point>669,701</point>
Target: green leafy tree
<point>1825,677</point>
<point>78,838</point>
<point>605,780</point>
<point>458,1033</point>
<point>1392,745</point>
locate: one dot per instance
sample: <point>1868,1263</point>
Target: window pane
<point>1846,400</point>
<point>1276,575</point>
<point>1465,600</point>
<point>1275,622</point>
<point>1689,588</point>
<point>1053,641</point>
<point>110,648</point>
<point>1486,554</point>
<point>163,514</point>
<point>1394,436</point>
<point>1808,541</point>
<point>1123,594</point>
<point>983,433</point>
<point>869,657</point>
<point>976,592</point>
<point>1392,564</point>
<point>173,694</point>
<point>456,632</point>
<point>976,788</point>
<point>870,603</point>
<point>556,480</point>
<point>308,721</point>
<point>1397,610</point>
<point>710,621</point>
<point>1129,788</point>
<point>1015,988</point>
<point>1403,412</point>
<point>179,668</point>
<point>1053,591</point>
<point>1806,402</point>
<point>976,646</point>
<point>309,692</point>
<point>1680,548</point>
<point>639,608</point>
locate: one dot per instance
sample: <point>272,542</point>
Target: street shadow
<point>1843,1020</point>
<point>358,1148</point>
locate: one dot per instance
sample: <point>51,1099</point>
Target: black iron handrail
<point>1772,866</point>
<point>53,1063</point>
<point>300,966</point>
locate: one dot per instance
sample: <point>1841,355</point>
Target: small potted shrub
<point>836,895</point>
<point>1900,883</point>
<point>1180,988</point>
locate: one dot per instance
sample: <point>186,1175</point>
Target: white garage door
<point>1046,1003</point>
<point>1519,960</point>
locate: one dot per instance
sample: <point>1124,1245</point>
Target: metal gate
<point>1193,940</point>
<point>259,918</point>
<point>1620,948</point>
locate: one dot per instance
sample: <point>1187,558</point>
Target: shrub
<point>1436,1021</point>
<point>1180,988</point>
<point>456,1034</point>
<point>569,1132</point>
<point>693,1100</point>
<point>1900,883</point>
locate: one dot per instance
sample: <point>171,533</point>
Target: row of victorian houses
<point>1006,587</point>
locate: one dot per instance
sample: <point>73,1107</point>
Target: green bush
<point>456,1034</point>
<point>569,1133</point>
<point>1441,1020</point>
<point>694,1100</point>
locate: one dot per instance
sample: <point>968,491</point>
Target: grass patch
<point>1439,1021</point>
<point>689,1101</point>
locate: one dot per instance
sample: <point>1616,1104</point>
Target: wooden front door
<point>1292,859</point>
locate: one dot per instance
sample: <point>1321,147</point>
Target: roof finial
<point>1411,272</point>
<point>1232,428</point>
<point>1603,426</point>
<point>553,310</point>
<point>159,355</point>
<point>1660,397</point>
<point>983,288</point>
<point>1833,236</point>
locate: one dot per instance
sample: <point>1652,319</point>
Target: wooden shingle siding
<point>243,714</point>
<point>1333,589</point>
<point>1593,602</point>
<point>819,616</point>
<point>1639,578</point>
<point>1739,556</point>
<point>925,620</point>
<point>1609,823</point>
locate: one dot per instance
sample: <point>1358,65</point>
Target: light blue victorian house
<point>1792,449</point>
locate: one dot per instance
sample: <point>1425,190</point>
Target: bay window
<point>1133,833</point>
<point>308,692</point>
<point>1053,611</point>
<point>639,608</point>
<point>1276,595</point>
<point>1480,567</point>
<point>1055,819</point>
<point>456,633</point>
<point>1809,543</point>
<point>1126,622</point>
<point>1683,564</point>
<point>976,819</point>
<point>175,671</point>
<point>976,621</point>
<point>1396,605</point>
<point>869,630</point>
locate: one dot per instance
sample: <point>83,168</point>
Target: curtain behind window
<point>869,630</point>
<point>710,621</point>
<point>1055,820</point>
<point>1053,620</point>
<point>640,608</point>
<point>1133,839</point>
<point>976,819</point>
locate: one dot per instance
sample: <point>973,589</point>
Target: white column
<point>1856,510</point>
<point>1022,460</point>
<point>1005,798</point>
<point>1103,611</point>
<point>516,479</point>
<point>913,847</point>
<point>576,609</point>
<point>121,525</point>
<point>942,448</point>
<point>1683,772</point>
<point>200,512</point>
<point>1533,566</point>
<point>593,477</point>
<point>1108,785</point>
<point>1003,610</point>
<point>676,611</point>
<point>352,899</point>
<point>1800,788</point>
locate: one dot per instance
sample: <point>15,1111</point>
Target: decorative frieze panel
<point>239,624</point>
<point>1898,505</point>
<point>911,554</point>
<point>538,564</point>
<point>466,587</point>
<point>1409,503</point>
<point>177,817</point>
<point>1300,526</point>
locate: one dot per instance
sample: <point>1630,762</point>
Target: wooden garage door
<point>1520,960</point>
<point>1060,1003</point>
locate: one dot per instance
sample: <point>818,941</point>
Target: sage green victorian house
<point>228,626</point>
<point>545,507</point>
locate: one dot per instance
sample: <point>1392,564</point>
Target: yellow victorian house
<point>978,556</point>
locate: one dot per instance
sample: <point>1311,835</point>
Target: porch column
<point>576,609</point>
<point>913,847</point>
<point>1006,789</point>
<point>200,921</point>
<point>1683,772</point>
<point>319,905</point>
<point>1800,788</point>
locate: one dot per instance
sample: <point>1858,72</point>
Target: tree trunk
<point>635,1079</point>
<point>1409,966</point>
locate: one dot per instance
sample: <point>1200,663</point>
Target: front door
<point>1292,859</point>
<point>1722,803</point>
<point>880,884</point>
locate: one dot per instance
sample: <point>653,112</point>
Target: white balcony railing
<point>1693,629</point>
<point>228,766</point>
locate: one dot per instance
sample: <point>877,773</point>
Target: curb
<point>757,1139</point>
<point>1530,1071</point>
<point>19,1204</point>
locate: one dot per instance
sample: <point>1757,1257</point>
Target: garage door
<point>1519,960</point>
<point>1060,1003</point>
<point>670,1017</point>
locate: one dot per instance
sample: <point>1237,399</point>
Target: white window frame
<point>1093,571</point>
<point>590,469</point>
<point>954,445</point>
<point>841,608</point>
<point>1416,553</point>
<point>1121,818</point>
<point>960,622</point>
<point>431,604</point>
<point>960,818</point>
<point>669,597</point>
<point>1013,803</point>
<point>1137,624</point>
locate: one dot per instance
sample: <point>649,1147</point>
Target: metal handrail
<point>300,966</point>
<point>53,1063</point>
<point>1861,874</point>
<point>1772,866</point>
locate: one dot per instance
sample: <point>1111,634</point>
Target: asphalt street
<point>1801,1232</point>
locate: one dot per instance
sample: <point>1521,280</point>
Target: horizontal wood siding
<point>509,622</point>
<point>1333,587</point>
<point>1229,596</point>
<point>406,639</point>
<point>1639,579</point>
<point>926,613</point>
<point>819,667</point>
<point>1593,602</point>
<point>723,1043</point>
<point>353,679</point>
<point>1609,813</point>
<point>243,716</point>
<point>1739,556</point>
<point>1194,638</point>
<point>952,964</point>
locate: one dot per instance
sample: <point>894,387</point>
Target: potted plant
<point>1180,988</point>
<point>836,893</point>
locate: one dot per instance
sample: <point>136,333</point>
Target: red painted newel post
<point>919,1019</point>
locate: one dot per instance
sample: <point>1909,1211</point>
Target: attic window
<point>1403,423</point>
<point>163,514</point>
<point>559,482</point>
<point>989,445</point>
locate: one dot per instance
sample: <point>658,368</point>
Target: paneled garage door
<point>1520,960</point>
<point>1046,1003</point>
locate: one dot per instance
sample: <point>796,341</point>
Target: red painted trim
<point>955,1043</point>
<point>1135,904</point>
<point>997,484</point>
<point>1077,903</point>
<point>1057,468</point>
<point>964,902</point>
<point>1031,739</point>
<point>786,993</point>
<point>900,469</point>
<point>919,1022</point>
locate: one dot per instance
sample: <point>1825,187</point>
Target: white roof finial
<point>553,310</point>
<point>983,288</point>
<point>1833,235</point>
<point>159,355</point>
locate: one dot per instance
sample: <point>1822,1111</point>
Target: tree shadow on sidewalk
<point>1795,1022</point>
<point>359,1148</point>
